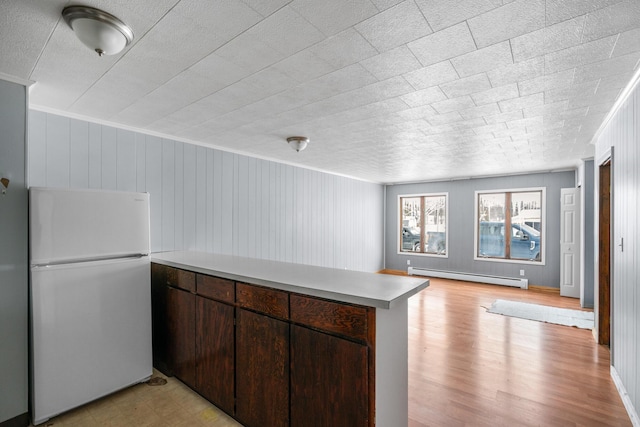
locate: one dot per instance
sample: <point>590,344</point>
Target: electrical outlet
<point>522,272</point>
<point>408,262</point>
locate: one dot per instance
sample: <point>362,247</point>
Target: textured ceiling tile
<point>579,55</point>
<point>482,111</point>
<point>454,104</point>
<point>442,119</point>
<point>304,66</point>
<point>266,7</point>
<point>432,75</point>
<point>444,44</point>
<point>508,21</point>
<point>554,109</point>
<point>225,71</point>
<point>521,102</point>
<point>524,70</point>
<point>442,14</point>
<point>466,86</point>
<point>424,97</point>
<point>250,52</point>
<point>344,49</point>
<point>385,4</point>
<point>548,39</point>
<point>496,94</point>
<point>333,16</point>
<point>417,113</point>
<point>570,92</point>
<point>503,117</point>
<point>628,42</point>
<point>38,20</point>
<point>613,66</point>
<point>276,31</point>
<point>395,26</point>
<point>490,128</point>
<point>612,20</point>
<point>548,82</point>
<point>392,63</point>
<point>561,10</point>
<point>481,60</point>
<point>219,20</point>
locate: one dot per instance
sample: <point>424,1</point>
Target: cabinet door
<point>329,381</point>
<point>215,353</point>
<point>181,319</point>
<point>262,370</point>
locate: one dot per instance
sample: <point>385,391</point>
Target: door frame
<point>603,306</point>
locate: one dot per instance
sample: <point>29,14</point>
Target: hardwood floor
<point>468,367</point>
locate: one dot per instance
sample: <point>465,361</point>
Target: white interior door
<point>570,280</point>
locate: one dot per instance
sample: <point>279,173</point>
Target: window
<point>423,218</point>
<point>509,225</point>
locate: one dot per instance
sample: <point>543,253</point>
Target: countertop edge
<point>331,295</point>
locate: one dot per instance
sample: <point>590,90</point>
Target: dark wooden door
<point>329,386</point>
<point>604,255</point>
<point>215,346</point>
<point>181,318</point>
<point>262,370</point>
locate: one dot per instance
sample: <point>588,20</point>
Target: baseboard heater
<point>470,277</point>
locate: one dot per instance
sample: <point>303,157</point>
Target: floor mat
<point>543,313</point>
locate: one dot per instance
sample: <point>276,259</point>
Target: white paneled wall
<point>623,133</point>
<point>210,200</point>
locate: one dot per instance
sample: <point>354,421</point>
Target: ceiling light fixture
<point>98,30</point>
<point>298,143</point>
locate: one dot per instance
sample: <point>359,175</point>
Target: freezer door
<point>91,332</point>
<point>70,225</point>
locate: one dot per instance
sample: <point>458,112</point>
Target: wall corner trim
<point>626,400</point>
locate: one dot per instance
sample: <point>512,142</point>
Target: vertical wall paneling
<point>109,158</point>
<point>153,178</point>
<point>252,212</point>
<point>141,161</point>
<point>621,134</point>
<point>95,156</point>
<point>79,154</point>
<point>201,198</point>
<point>217,202</point>
<point>226,203</point>
<point>189,207</point>
<point>37,149</point>
<point>57,151</point>
<point>168,193</point>
<point>14,254</point>
<point>241,206</point>
<point>125,160</point>
<point>178,202</point>
<point>210,200</point>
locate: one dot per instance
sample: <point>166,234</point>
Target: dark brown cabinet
<point>215,361</point>
<point>329,380</point>
<point>262,370</point>
<point>268,357</point>
<point>180,315</point>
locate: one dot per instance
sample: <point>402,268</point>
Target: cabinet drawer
<point>330,316</point>
<point>216,288</point>
<point>268,301</point>
<point>181,279</point>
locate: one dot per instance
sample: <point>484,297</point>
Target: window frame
<point>543,226</point>
<point>399,224</point>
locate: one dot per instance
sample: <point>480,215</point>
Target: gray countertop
<point>356,287</point>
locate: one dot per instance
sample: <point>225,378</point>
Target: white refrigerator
<point>90,296</point>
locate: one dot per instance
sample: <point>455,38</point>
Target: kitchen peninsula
<point>282,344</point>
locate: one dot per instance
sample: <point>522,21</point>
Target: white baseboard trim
<point>470,277</point>
<point>626,400</point>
